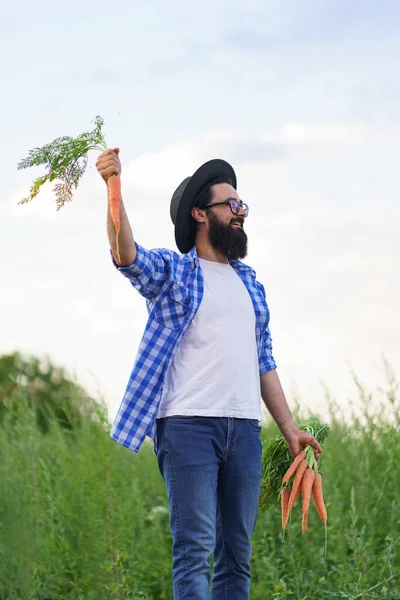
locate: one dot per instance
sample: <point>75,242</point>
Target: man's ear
<point>199,215</point>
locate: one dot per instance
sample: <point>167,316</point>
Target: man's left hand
<point>297,440</point>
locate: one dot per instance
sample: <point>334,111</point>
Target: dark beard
<point>227,239</point>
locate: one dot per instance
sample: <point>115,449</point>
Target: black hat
<point>183,200</point>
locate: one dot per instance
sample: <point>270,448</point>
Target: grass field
<point>82,518</point>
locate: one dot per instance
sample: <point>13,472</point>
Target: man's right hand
<point>109,164</point>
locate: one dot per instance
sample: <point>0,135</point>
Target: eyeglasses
<point>234,204</point>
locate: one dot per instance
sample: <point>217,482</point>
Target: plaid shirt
<point>173,287</point>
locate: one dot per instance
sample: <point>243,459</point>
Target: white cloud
<point>159,171</point>
<point>322,133</point>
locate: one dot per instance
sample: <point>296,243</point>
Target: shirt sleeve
<point>147,273</point>
<point>267,361</point>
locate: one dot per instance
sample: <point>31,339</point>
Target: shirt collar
<point>193,258</point>
<point>238,265</point>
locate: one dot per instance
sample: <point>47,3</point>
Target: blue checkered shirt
<point>173,287</point>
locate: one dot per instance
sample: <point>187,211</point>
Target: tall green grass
<point>83,518</point>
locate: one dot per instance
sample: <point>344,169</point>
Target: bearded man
<point>204,363</point>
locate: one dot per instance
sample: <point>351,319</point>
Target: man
<point>204,362</point>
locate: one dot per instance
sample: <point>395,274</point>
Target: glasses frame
<point>231,201</point>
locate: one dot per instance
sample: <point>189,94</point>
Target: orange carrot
<point>301,456</point>
<point>285,495</point>
<point>296,483</point>
<point>319,498</point>
<point>296,495</point>
<point>306,486</point>
<point>114,202</point>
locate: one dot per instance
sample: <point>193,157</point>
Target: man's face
<point>225,230</point>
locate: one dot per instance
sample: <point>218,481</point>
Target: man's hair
<point>204,196</point>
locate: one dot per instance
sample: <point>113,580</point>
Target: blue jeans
<point>212,470</point>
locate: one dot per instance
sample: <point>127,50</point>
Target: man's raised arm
<point>108,164</point>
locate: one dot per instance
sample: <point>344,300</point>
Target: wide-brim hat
<point>183,200</point>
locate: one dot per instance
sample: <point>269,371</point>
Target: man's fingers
<point>108,162</point>
<point>318,449</point>
<point>315,444</point>
<point>109,154</point>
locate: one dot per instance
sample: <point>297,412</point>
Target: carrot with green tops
<point>280,466</point>
<point>114,202</point>
<point>65,160</point>
<point>285,495</point>
<point>306,486</point>
<point>291,470</point>
<point>297,482</point>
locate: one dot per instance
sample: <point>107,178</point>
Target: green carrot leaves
<point>65,160</point>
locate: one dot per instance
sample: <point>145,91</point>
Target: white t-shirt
<point>215,369</point>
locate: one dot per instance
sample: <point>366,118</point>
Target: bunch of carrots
<point>306,480</point>
<point>283,479</point>
<point>65,159</point>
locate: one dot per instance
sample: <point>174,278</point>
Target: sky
<point>302,98</point>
